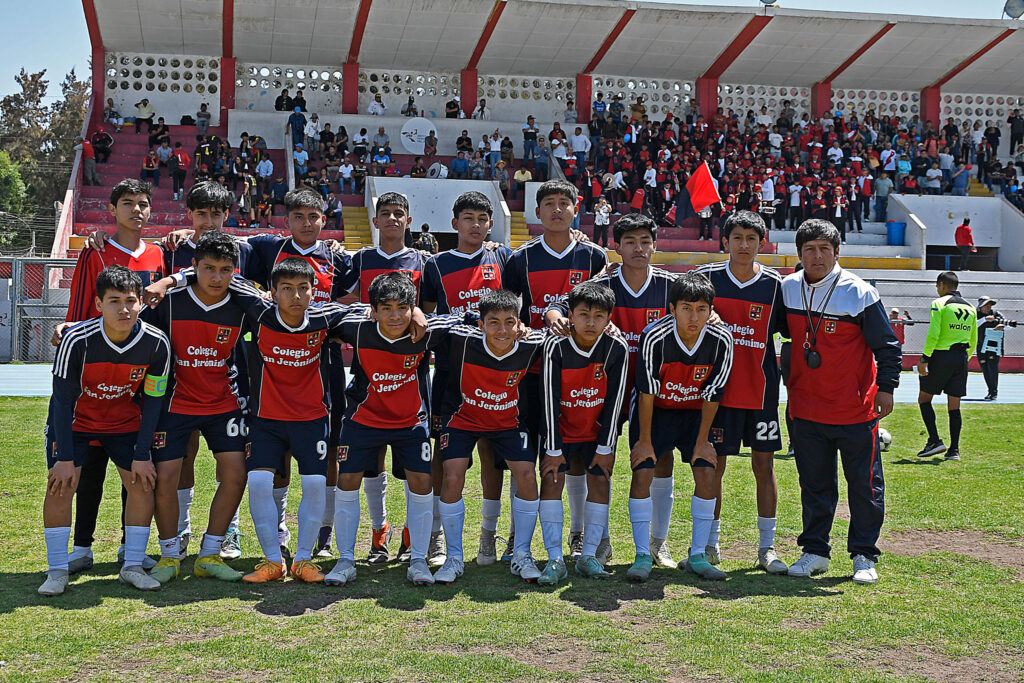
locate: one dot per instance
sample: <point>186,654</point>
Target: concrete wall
<point>170,104</point>
<point>1011,252</point>
<point>915,237</point>
<point>944,213</point>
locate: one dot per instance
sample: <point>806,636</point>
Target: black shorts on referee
<point>947,373</point>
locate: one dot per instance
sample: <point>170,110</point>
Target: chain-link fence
<point>34,294</point>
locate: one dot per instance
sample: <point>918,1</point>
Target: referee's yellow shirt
<point>954,322</point>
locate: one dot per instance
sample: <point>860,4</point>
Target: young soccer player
<point>482,400</point>
<point>748,298</point>
<point>682,369</point>
<point>584,385</point>
<point>109,377</point>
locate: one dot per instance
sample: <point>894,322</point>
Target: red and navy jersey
<point>540,275</point>
<point>369,262</point>
<point>104,387</point>
<point>753,312</point>
<point>390,386</point>
<point>681,377</point>
<point>147,261</point>
<point>456,281</point>
<point>203,341</point>
<point>181,258</point>
<point>583,392</point>
<point>854,335</point>
<point>483,389</point>
<point>335,275</point>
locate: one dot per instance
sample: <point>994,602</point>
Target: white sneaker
<point>147,561</point>
<point>524,567</point>
<point>488,553</point>
<point>343,572</point>
<point>661,554</point>
<point>137,577</point>
<point>56,582</point>
<point>437,550</point>
<point>769,561</point>
<point>713,553</point>
<point>575,545</point>
<point>809,564</point>
<point>419,573</point>
<point>604,551</point>
<point>452,569</point>
<point>864,570</point>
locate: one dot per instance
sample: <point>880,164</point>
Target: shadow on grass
<point>919,461</point>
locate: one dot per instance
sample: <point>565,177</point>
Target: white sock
<point>57,539</point>
<point>311,514</point>
<point>418,516</point>
<point>513,489</point>
<point>328,518</point>
<point>702,510</point>
<point>576,492</point>
<point>661,497</point>
<point>435,524</point>
<point>640,510</point>
<point>766,530</point>
<point>136,538</point>
<point>281,501</point>
<point>80,551</point>
<point>211,545</point>
<point>376,489</point>
<point>170,547</point>
<point>524,516</point>
<point>716,530</point>
<point>233,524</point>
<point>453,518</point>
<point>346,523</point>
<point>185,510</point>
<point>552,520</point>
<point>265,506</point>
<point>490,510</point>
<point>595,516</point>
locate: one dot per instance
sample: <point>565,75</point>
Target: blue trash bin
<point>894,233</point>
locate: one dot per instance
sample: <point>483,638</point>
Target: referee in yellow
<point>952,336</point>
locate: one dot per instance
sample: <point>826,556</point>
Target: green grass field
<point>949,605</point>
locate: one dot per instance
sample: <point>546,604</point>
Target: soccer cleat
<point>379,544</point>
<point>55,584</point>
<point>790,452</point>
<point>713,553</point>
<point>554,571</point>
<point>575,545</point>
<point>323,543</point>
<point>286,558</point>
<point>488,553</point>
<point>80,564</point>
<point>284,535</point>
<point>770,562</point>
<point>452,569</point>
<point>699,565</point>
<point>641,568</point>
<point>808,565</point>
<point>510,546</point>
<point>183,540</point>
<point>590,567</point>
<point>523,566</point>
<point>147,561</point>
<point>265,572</point>
<point>344,572</point>
<point>166,569</point>
<point>213,567</point>
<point>932,448</point>
<point>307,572</point>
<point>438,551</point>
<point>419,573</point>
<point>231,547</point>
<point>953,454</point>
<point>405,550</point>
<point>604,551</point>
<point>864,571</point>
<point>137,577</point>
<point>662,555</point>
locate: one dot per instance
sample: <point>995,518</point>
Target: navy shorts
<point>437,386</point>
<point>670,429</point>
<point>224,433</point>
<point>509,445</point>
<point>270,440</point>
<point>359,447</point>
<point>336,381</point>
<point>947,373</point>
<point>757,429</point>
<point>584,452</point>
<point>120,448</point>
<point>530,406</point>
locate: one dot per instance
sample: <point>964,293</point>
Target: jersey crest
<point>513,378</point>
<point>717,435</point>
<point>830,326</point>
<point>410,361</point>
<point>599,372</point>
<point>653,314</point>
<point>489,271</point>
<point>756,311</point>
<point>159,439</point>
<point>700,372</point>
<point>223,335</point>
<point>577,276</point>
<point>444,440</point>
<point>137,374</point>
<point>313,338</point>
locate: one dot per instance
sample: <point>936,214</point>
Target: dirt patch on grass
<point>973,543</point>
<point>908,660</point>
<point>557,657</point>
<point>796,624</point>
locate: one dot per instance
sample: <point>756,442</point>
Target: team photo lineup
<point>534,361</point>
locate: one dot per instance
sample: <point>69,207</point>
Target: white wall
<point>942,215</point>
<point>1011,252</point>
<point>915,235</point>
<point>172,102</point>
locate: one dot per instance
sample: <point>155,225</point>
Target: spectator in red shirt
<point>964,242</point>
<point>88,161</point>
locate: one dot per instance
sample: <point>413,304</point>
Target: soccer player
<point>482,400</point>
<point>109,377</point>
<point>453,282</point>
<point>683,366</point>
<point>584,380</point>
<point>748,298</point>
<point>388,405</point>
<point>952,338</point>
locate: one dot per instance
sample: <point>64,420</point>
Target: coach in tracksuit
<point>845,364</point>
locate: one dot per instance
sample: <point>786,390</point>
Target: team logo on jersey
<point>488,271</point>
<point>223,335</point>
<point>717,435</point>
<point>830,326</point>
<point>444,441</point>
<point>159,439</point>
<point>248,448</point>
<point>576,276</point>
<point>599,372</point>
<point>342,453</point>
<point>312,339</point>
<point>755,311</point>
<point>653,314</point>
<point>410,362</point>
<point>513,377</point>
<point>701,372</point>
<point>137,374</point>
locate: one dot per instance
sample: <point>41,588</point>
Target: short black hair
<point>120,279</point>
<point>472,201</point>
<point>967,221</point>
<point>592,295</point>
<point>292,267</point>
<point>303,198</point>
<point>744,219</point>
<point>816,229</point>
<point>949,278</point>
<point>557,186</point>
<point>130,186</point>
<point>631,222</point>
<point>217,246</point>
<point>393,286</point>
<point>691,287</point>
<point>498,300</point>
<point>208,194</point>
<point>392,199</point>
<point>425,227</point>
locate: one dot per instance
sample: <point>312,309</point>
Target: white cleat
<point>344,572</point>
<point>56,582</point>
<point>488,552</point>
<point>661,554</point>
<point>864,571</point>
<point>769,561</point>
<point>437,552</point>
<point>419,573</point>
<point>137,577</point>
<point>604,551</point>
<point>808,565</point>
<point>452,569</point>
<point>524,567</point>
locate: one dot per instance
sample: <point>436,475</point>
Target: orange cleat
<point>305,570</point>
<point>379,544</point>
<point>265,572</point>
<point>405,550</point>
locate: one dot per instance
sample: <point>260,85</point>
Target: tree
<point>13,198</point>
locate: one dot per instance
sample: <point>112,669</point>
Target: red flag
<point>701,188</point>
<point>671,215</point>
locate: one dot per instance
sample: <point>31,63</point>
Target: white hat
<point>456,98</point>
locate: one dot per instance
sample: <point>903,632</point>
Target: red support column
<point>467,91</point>
<point>706,93</point>
<point>821,99</point>
<point>930,110</point>
<point>584,89</point>
<point>227,88</point>
<point>98,83</point>
<point>350,88</point>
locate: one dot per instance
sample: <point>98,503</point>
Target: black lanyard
<point>812,328</point>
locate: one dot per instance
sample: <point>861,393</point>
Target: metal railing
<point>33,306</point>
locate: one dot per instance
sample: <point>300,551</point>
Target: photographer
<point>990,343</point>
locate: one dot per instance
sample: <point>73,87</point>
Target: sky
<point>65,43</point>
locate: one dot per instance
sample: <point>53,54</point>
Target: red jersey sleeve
<point>83,286</point>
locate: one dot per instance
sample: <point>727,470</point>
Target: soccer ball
<point>884,439</point>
